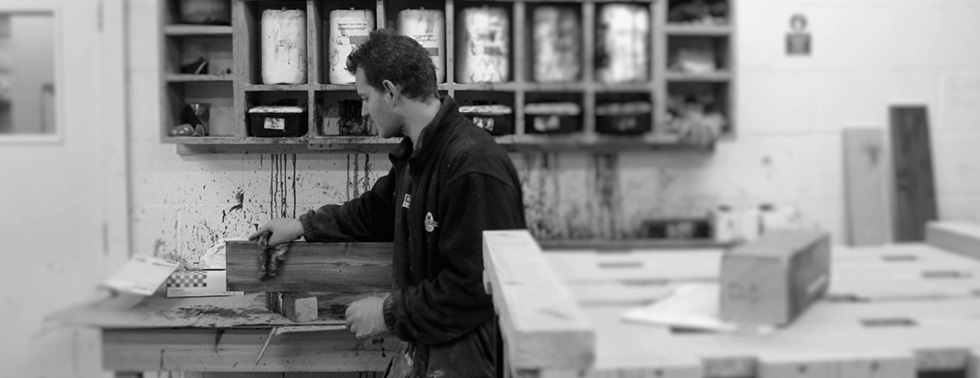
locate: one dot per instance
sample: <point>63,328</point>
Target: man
<point>449,182</point>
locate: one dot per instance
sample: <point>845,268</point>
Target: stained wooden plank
<point>915,193</point>
<point>202,312</point>
<point>958,237</point>
<point>235,350</point>
<point>541,324</point>
<point>313,267</point>
<point>866,187</point>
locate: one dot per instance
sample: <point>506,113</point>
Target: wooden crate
<point>891,311</point>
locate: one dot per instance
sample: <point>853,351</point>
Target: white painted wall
<point>867,55</point>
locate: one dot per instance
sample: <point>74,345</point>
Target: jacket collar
<point>430,135</point>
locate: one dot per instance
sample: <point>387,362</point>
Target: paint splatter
<point>282,185</point>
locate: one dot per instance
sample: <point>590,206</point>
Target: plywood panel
<point>866,169</point>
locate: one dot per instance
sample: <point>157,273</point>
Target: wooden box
<point>772,280</point>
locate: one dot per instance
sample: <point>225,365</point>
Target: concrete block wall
<point>867,55</point>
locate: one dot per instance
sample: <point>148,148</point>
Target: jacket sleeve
<point>454,303</point>
<point>368,218</point>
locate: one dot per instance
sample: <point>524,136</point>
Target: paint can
<point>348,29</point>
<point>283,46</point>
<point>427,26</point>
<point>483,45</point>
<point>623,43</point>
<point>557,44</point>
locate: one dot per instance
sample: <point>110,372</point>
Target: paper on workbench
<point>214,258</point>
<point>140,275</point>
<point>692,306</point>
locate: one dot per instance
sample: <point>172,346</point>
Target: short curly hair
<point>388,55</point>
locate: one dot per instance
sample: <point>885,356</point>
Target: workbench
<point>226,334</point>
<point>890,311</point>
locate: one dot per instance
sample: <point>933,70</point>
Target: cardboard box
<point>772,280</point>
<point>198,283</point>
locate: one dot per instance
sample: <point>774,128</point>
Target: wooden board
<point>313,267</point>
<point>915,193</point>
<point>933,334</point>
<point>898,272</point>
<point>866,170</point>
<point>541,324</point>
<point>204,312</point>
<point>958,237</point>
<point>235,350</point>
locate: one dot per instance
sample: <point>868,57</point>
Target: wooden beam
<point>234,350</point>
<point>542,325</point>
<point>915,193</point>
<point>316,267</point>
<point>959,237</point>
<point>866,169</point>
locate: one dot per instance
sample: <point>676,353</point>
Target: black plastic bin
<point>277,121</point>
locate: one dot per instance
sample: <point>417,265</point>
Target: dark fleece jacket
<point>433,205</point>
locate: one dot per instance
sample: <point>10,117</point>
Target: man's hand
<point>278,231</point>
<point>365,318</point>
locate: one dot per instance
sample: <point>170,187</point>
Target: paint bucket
<point>283,46</point>
<point>557,44</point>
<point>623,43</point>
<point>483,45</point>
<point>427,26</point>
<point>348,29</point>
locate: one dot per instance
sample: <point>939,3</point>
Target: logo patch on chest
<point>430,224</point>
<point>407,201</point>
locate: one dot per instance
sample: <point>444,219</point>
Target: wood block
<point>866,170</point>
<point>313,267</point>
<point>915,192</point>
<point>959,237</point>
<point>772,280</point>
<point>541,324</point>
<point>299,307</point>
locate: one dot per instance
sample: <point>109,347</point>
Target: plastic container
<point>277,121</point>
<point>552,118</point>
<point>483,45</point>
<point>557,42</point>
<point>627,118</point>
<point>495,119</point>
<point>623,43</point>
<point>283,46</point>
<point>428,27</point>
<point>208,12</point>
<point>348,29</point>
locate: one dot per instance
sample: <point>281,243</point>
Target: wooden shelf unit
<point>236,92</point>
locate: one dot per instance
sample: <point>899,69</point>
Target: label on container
<point>275,124</point>
<point>485,123</point>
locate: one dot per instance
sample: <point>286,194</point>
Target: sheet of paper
<point>692,306</point>
<point>140,275</point>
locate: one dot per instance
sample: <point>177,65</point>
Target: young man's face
<point>377,103</point>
